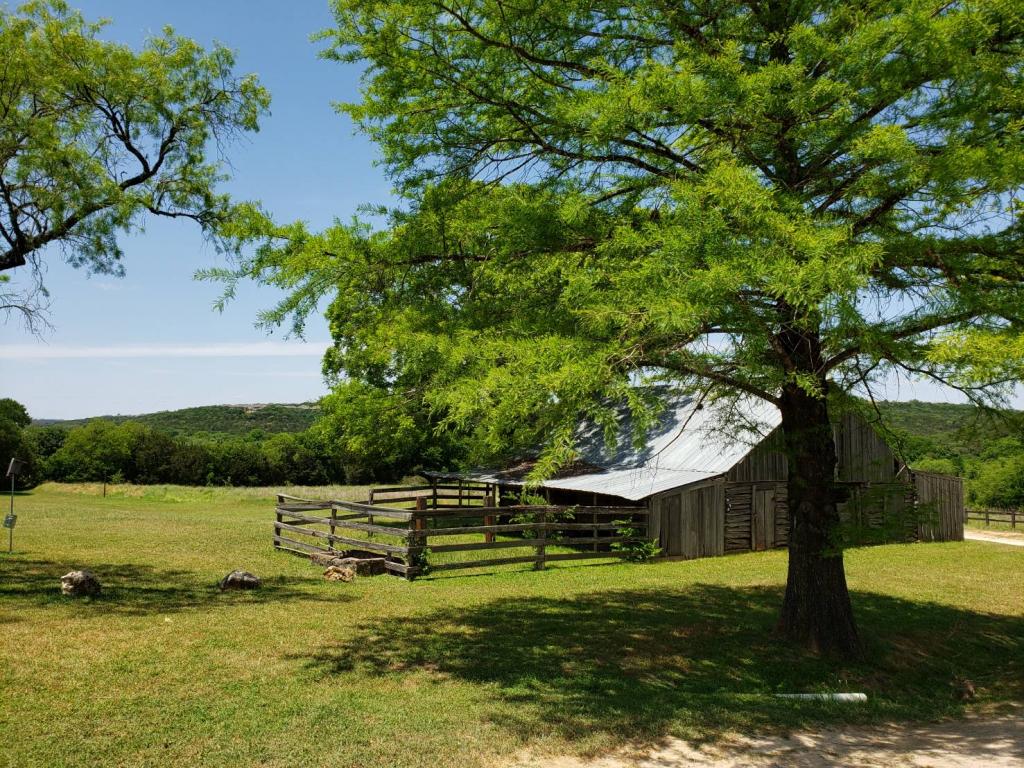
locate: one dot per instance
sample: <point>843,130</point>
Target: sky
<point>152,341</point>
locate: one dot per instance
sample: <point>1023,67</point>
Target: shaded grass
<point>462,669</point>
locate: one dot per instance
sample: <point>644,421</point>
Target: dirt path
<point>996,537</point>
<point>992,742</point>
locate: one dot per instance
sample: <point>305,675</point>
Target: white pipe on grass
<point>847,697</point>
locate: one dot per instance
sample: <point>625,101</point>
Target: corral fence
<point>419,529</point>
<point>1008,517</point>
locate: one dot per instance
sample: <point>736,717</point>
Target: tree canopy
<point>782,200</point>
<point>95,136</point>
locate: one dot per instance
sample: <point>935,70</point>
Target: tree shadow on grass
<point>132,589</point>
<point>698,662</point>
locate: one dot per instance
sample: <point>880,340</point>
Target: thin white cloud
<point>245,349</point>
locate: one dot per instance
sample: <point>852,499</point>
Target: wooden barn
<point>713,489</point>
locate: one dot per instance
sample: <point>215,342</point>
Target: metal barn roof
<point>690,443</point>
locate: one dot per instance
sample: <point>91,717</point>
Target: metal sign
<point>13,470</point>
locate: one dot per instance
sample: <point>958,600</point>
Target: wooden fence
<point>1008,517</point>
<point>449,536</point>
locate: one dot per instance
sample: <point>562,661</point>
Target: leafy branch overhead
<point>782,200</point>
<point>698,190</point>
<point>95,136</point>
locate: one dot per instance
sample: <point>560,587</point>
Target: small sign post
<point>13,470</point>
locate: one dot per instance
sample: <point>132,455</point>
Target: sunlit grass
<point>459,669</point>
<point>979,525</point>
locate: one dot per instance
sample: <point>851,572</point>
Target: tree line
<point>363,435</point>
<point>985,447</point>
<point>994,475</point>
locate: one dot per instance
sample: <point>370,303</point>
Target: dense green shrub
<point>15,443</point>
<point>375,434</point>
<point>998,483</point>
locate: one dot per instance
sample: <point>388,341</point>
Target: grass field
<point>466,669</point>
<point>976,525</point>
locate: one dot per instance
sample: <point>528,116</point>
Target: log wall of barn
<point>756,516</point>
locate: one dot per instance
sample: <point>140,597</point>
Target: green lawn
<point>457,670</point>
<point>979,525</point>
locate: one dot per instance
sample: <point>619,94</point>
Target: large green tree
<point>780,200</point>
<point>95,136</point>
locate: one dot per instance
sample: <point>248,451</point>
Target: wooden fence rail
<point>503,535</point>
<point>1008,517</point>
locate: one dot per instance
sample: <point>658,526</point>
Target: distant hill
<point>950,429</point>
<point>216,419</point>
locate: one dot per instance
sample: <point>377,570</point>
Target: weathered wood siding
<point>756,516</point>
<point>879,512</point>
<point>765,462</point>
<point>690,522</point>
<point>940,506</point>
<point>863,455</point>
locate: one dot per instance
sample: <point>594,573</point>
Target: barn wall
<point>876,513</point>
<point>765,462</point>
<point>756,516</point>
<point>863,455</point>
<point>940,505</point>
<point>690,521</point>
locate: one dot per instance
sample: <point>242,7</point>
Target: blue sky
<point>152,341</point>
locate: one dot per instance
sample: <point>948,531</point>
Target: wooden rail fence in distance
<point>1008,517</point>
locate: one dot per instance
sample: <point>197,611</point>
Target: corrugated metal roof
<point>689,443</point>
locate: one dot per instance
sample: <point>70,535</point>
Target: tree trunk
<point>816,611</point>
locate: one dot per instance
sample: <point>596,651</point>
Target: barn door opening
<point>762,522</point>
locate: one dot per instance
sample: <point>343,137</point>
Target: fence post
<point>277,529</point>
<point>489,519</point>
<point>418,537</point>
<point>334,517</point>
<point>542,534</point>
<point>1013,518</point>
<point>986,517</point>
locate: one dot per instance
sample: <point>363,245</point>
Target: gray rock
<point>240,580</point>
<point>80,584</point>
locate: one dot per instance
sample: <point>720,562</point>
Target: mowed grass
<point>467,669</point>
<point>976,525</point>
